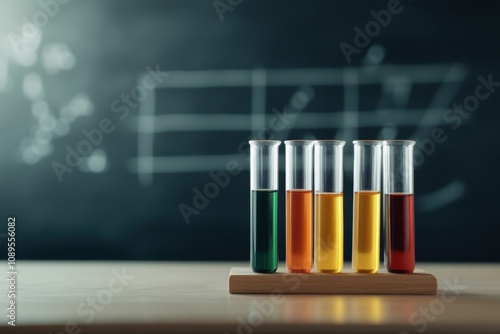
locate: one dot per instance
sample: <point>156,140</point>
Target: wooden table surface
<point>161,297</point>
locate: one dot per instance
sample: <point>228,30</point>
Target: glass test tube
<point>264,205</point>
<point>366,210</point>
<point>299,205</point>
<point>398,209</point>
<point>329,206</point>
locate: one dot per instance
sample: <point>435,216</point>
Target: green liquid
<point>264,231</point>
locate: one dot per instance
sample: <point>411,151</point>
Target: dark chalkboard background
<point>90,52</point>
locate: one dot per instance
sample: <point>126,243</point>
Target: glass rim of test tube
<point>293,141</point>
<point>368,142</point>
<point>264,141</point>
<point>330,141</point>
<point>399,142</point>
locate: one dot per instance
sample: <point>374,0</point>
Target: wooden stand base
<point>245,281</point>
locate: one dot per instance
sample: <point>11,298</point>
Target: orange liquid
<point>299,231</point>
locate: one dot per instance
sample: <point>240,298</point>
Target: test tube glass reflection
<point>329,206</point>
<point>264,205</point>
<point>366,209</point>
<point>299,205</point>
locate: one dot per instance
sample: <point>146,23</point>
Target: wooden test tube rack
<point>245,281</point>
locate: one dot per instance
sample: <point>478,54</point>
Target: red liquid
<point>399,233</point>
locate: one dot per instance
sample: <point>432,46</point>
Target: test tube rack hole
<point>245,281</point>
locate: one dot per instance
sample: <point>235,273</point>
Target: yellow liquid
<point>329,229</point>
<point>366,232</point>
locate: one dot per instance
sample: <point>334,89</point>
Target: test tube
<point>329,206</point>
<point>299,202</point>
<point>264,205</point>
<point>366,209</point>
<point>398,209</point>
